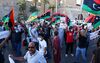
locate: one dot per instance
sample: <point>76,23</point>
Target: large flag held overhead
<point>90,19</point>
<point>45,15</point>
<point>92,6</point>
<point>32,17</point>
<point>95,20</point>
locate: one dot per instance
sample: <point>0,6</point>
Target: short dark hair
<point>41,35</point>
<point>56,33</point>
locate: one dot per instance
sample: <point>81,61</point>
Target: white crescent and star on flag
<point>96,7</point>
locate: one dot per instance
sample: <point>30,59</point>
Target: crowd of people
<point>42,41</point>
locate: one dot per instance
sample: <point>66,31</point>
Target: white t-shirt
<point>42,45</point>
<point>35,58</point>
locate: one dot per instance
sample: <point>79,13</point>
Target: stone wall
<point>72,10</point>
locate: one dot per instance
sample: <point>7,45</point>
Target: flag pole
<point>81,9</point>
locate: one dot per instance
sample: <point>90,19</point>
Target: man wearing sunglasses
<point>32,55</point>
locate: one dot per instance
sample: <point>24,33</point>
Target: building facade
<point>67,7</point>
<point>6,5</point>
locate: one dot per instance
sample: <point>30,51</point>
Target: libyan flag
<point>11,23</point>
<point>5,18</point>
<point>9,18</point>
<point>32,17</point>
<point>45,15</point>
<point>92,6</point>
<point>90,19</point>
<point>96,22</point>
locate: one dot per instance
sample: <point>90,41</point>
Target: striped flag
<point>5,18</point>
<point>90,18</point>
<point>11,19</point>
<point>96,22</point>
<point>45,15</point>
<point>32,17</point>
<point>92,6</point>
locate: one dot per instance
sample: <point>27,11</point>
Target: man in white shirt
<point>42,45</point>
<point>32,56</point>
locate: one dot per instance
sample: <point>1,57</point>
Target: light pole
<point>58,3</point>
<point>61,6</point>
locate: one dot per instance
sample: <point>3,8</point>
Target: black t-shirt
<point>82,42</point>
<point>96,52</point>
<point>16,37</point>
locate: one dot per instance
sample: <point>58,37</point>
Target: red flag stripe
<point>97,1</point>
<point>12,16</point>
<point>89,18</point>
<point>93,19</point>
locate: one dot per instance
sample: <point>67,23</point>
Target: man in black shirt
<point>81,48</point>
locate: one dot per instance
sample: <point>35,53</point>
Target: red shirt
<point>69,37</point>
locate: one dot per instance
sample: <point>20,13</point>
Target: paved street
<point>68,59</point>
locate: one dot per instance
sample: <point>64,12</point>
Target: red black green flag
<point>92,6</point>
<point>96,22</point>
<point>11,19</point>
<point>45,15</point>
<point>90,18</point>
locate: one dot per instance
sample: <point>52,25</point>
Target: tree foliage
<point>33,9</point>
<point>22,5</point>
<point>52,7</point>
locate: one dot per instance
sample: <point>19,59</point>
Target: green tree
<point>22,8</point>
<point>33,8</point>
<point>22,5</point>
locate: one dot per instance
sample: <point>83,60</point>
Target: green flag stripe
<point>46,17</point>
<point>96,25</point>
<point>5,19</point>
<point>85,7</point>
